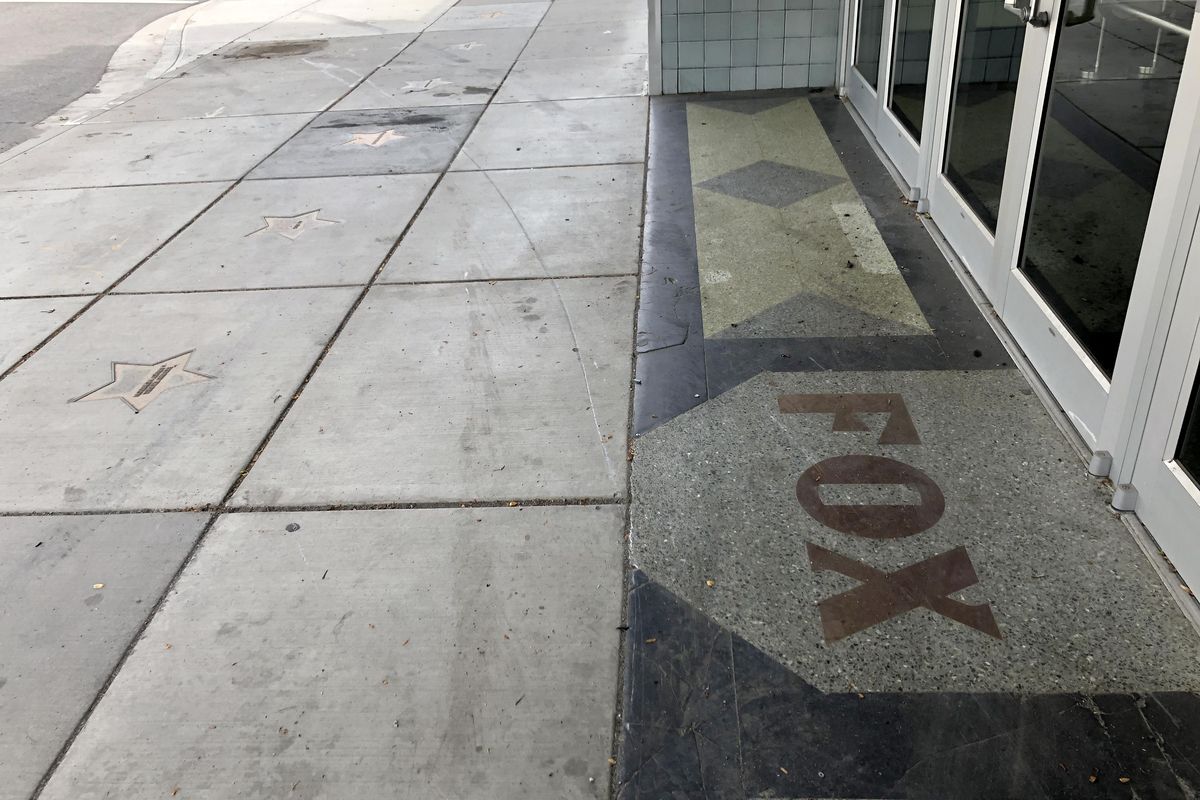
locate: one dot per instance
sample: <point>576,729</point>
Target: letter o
<point>871,521</point>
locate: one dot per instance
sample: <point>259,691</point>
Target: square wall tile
<point>691,80</point>
<point>691,27</point>
<point>795,51</point>
<point>670,28</point>
<point>691,54</point>
<point>670,81</point>
<point>745,5</point>
<point>770,52</point>
<point>797,23</point>
<point>823,50</point>
<point>716,80</point>
<point>744,25</point>
<point>716,26</point>
<point>744,52</point>
<point>769,78</point>
<point>741,79</point>
<point>825,22</point>
<point>691,6</point>
<point>770,23</point>
<point>717,5</point>
<point>670,55</point>
<point>716,54</point>
<point>820,75</point>
<point>795,76</point>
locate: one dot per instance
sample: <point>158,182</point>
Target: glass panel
<point>1188,455</point>
<point>910,62</point>
<point>985,85</point>
<point>870,39</point>
<point>1116,72</point>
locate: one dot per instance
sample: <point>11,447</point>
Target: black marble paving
<point>670,371</point>
<point>707,715</point>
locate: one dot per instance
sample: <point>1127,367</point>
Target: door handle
<point>1027,11</point>
<point>1086,15</point>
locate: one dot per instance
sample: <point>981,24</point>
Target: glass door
<point>1167,470</point>
<point>971,157</point>
<point>1078,221</point>
<point>866,58</point>
<point>892,70</point>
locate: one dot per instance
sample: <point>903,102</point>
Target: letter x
<point>884,595</point>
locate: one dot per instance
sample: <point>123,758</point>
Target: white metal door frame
<point>1167,499</point>
<point>871,103</point>
<point>1174,217</point>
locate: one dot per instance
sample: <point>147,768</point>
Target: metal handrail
<point>1166,25</point>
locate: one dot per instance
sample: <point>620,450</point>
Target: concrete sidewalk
<point>315,370</point>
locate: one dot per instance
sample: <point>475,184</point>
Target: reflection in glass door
<point>1112,90</point>
<point>1187,454</point>
<point>990,42</point>
<point>910,63</point>
<point>869,40</point>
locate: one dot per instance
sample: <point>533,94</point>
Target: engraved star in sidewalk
<point>468,45</point>
<point>491,15</point>
<point>138,385</point>
<point>294,227</point>
<point>376,139</point>
<point>421,86</point>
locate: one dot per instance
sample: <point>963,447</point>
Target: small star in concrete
<point>137,385</point>
<point>468,45</point>
<point>375,139</point>
<point>421,86</point>
<point>294,227</point>
<point>491,15</point>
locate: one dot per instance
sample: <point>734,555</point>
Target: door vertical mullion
<point>1029,116</point>
<point>937,82</point>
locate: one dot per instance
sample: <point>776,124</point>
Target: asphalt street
<point>52,53</point>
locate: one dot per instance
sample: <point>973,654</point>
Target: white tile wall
<point>736,45</point>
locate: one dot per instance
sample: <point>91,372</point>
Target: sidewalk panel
<point>383,142</point>
<point>494,15</point>
<point>525,224</point>
<point>465,653</point>
<point>272,78</point>
<point>61,637</point>
<point>557,134</point>
<point>403,85</point>
<point>296,232</point>
<point>150,152</point>
<point>571,12</point>
<point>517,389</point>
<point>575,78</point>
<point>186,446</point>
<point>25,323</point>
<point>604,38</point>
<point>78,241</point>
<point>490,48</point>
